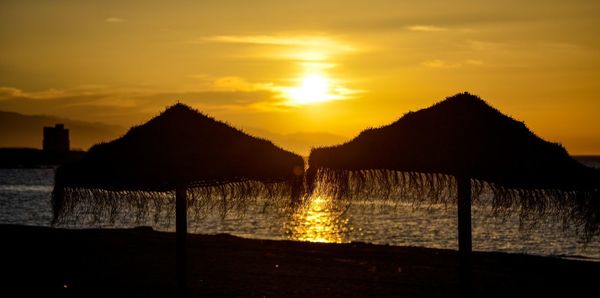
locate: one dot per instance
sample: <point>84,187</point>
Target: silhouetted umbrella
<point>180,150</point>
<point>456,149</point>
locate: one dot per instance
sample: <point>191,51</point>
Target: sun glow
<point>315,56</point>
<point>312,88</point>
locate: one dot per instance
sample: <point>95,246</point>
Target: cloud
<point>438,63</point>
<point>7,93</point>
<point>473,62</point>
<point>10,92</point>
<point>307,41</point>
<point>448,21</point>
<point>317,47</point>
<point>233,83</point>
<point>127,106</point>
<point>280,95</point>
<point>424,28</point>
<point>114,20</point>
<point>480,45</point>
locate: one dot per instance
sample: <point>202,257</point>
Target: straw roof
<point>418,157</point>
<point>181,147</point>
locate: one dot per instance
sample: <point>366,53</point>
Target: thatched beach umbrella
<point>181,151</point>
<point>452,151</point>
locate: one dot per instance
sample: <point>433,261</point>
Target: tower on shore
<point>56,139</point>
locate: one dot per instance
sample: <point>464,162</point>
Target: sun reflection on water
<point>319,220</point>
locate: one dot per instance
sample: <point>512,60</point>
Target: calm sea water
<point>25,199</point>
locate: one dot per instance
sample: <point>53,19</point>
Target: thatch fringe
<point>579,209</point>
<point>90,206</point>
<point>366,185</point>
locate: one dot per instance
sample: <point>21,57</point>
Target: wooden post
<point>180,242</point>
<point>463,185</point>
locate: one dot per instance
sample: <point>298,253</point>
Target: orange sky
<point>308,66</point>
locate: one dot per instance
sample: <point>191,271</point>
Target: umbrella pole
<point>463,185</point>
<point>180,242</point>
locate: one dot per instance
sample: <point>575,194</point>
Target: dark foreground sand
<point>45,262</point>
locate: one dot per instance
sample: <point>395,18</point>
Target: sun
<point>312,88</point>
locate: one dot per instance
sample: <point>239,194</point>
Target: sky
<point>333,67</point>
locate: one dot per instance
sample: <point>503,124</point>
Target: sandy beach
<point>141,263</point>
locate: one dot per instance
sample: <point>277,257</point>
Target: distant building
<point>56,139</point>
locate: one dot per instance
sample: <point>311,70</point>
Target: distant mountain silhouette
<point>18,130</point>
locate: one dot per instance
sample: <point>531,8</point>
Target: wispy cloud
<point>426,28</point>
<point>334,90</point>
<point>317,47</point>
<point>451,20</point>
<point>473,62</point>
<point>481,45</point>
<point>233,83</point>
<point>308,41</point>
<point>438,63</point>
<point>114,20</point>
<point>49,94</point>
<point>126,106</point>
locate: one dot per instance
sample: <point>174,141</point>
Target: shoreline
<point>574,257</point>
<point>140,262</point>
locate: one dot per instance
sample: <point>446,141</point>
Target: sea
<point>25,199</point>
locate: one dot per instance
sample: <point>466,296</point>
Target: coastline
<point>34,158</point>
<point>140,262</point>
